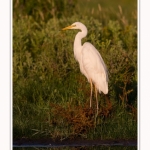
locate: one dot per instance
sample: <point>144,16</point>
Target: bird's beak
<point>69,27</point>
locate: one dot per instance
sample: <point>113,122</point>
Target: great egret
<point>90,61</point>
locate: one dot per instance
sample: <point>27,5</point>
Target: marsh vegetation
<point>50,95</point>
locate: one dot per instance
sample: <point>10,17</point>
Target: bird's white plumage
<point>93,67</point>
<point>90,60</point>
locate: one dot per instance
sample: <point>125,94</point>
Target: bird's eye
<point>74,25</point>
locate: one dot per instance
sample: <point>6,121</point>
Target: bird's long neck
<point>78,43</point>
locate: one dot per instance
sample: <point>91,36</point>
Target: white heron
<point>90,61</point>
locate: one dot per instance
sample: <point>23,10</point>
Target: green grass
<point>123,10</point>
<point>51,96</point>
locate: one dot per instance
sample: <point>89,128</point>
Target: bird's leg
<point>96,99</point>
<point>91,93</point>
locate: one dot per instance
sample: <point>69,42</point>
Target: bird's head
<point>76,25</point>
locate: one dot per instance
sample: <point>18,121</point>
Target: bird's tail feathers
<point>102,85</point>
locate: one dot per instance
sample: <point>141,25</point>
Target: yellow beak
<point>69,27</point>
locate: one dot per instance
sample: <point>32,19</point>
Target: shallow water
<point>75,145</point>
<point>80,148</point>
